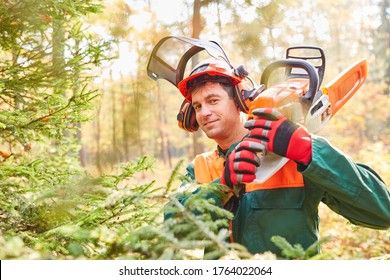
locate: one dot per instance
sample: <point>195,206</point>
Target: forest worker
<point>287,203</point>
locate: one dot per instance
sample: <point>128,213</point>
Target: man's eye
<point>213,101</point>
<point>196,107</point>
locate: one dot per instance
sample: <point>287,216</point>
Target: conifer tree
<point>46,62</point>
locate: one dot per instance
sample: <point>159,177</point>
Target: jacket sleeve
<point>352,190</point>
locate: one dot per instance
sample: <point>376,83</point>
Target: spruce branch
<point>200,225</point>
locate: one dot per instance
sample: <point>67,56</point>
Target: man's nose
<point>204,110</point>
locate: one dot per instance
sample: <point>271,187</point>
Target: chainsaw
<point>301,99</point>
<point>299,96</point>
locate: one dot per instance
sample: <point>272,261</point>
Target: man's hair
<point>200,81</point>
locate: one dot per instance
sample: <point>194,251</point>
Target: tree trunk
<point>123,95</point>
<point>58,59</point>
<point>97,136</point>
<point>162,124</point>
<point>197,145</point>
<point>75,90</point>
<point>114,128</point>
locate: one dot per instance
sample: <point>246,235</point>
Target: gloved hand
<point>241,164</point>
<point>281,136</point>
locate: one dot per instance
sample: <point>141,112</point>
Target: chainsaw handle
<point>294,63</point>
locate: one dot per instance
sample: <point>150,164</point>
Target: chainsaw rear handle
<point>294,63</point>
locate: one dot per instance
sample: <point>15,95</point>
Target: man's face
<point>216,113</point>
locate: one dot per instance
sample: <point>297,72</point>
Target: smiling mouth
<point>209,122</point>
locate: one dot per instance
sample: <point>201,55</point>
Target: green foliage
<point>46,56</point>
<point>41,72</point>
<point>113,217</point>
<point>46,63</point>
<point>296,252</point>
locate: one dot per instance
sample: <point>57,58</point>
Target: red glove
<point>281,136</point>
<point>241,164</point>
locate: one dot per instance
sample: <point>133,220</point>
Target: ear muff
<point>245,94</point>
<point>186,117</point>
<point>241,96</point>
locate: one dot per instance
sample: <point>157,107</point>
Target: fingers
<point>251,145</point>
<point>247,155</point>
<point>267,113</point>
<point>263,127</point>
<point>244,178</point>
<point>258,123</point>
<point>241,168</point>
<point>261,135</point>
<point>245,162</point>
<point>259,130</point>
<point>264,117</point>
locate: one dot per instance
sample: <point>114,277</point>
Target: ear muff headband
<point>244,95</point>
<point>241,96</point>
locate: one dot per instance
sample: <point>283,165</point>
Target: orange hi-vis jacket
<point>287,203</point>
<point>209,167</point>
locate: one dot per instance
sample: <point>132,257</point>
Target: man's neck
<point>234,138</point>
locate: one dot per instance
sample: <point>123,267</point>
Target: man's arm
<point>352,190</point>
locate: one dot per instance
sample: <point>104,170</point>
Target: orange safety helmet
<point>211,69</point>
<point>219,70</point>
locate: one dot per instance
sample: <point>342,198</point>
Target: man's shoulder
<point>209,154</point>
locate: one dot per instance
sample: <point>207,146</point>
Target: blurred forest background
<point>90,149</point>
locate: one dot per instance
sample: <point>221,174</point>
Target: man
<point>287,203</point>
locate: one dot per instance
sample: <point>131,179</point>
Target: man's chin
<point>211,133</point>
